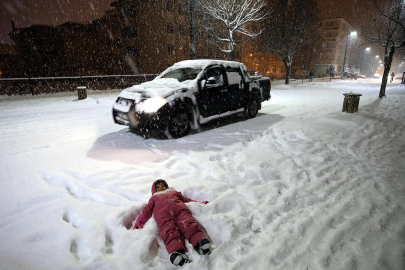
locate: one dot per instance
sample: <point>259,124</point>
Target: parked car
<point>377,75</point>
<point>191,93</point>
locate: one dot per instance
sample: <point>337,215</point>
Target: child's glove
<point>139,222</point>
<point>205,202</point>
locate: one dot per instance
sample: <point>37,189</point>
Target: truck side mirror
<point>211,81</point>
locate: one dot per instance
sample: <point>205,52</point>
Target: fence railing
<point>47,85</point>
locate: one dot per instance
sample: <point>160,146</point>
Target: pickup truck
<point>191,93</point>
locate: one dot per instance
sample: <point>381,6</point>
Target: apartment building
<point>333,32</point>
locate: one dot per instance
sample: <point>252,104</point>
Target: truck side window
<point>234,77</point>
<point>216,72</point>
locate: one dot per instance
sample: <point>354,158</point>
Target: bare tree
<point>227,18</point>
<point>291,25</point>
<point>388,31</point>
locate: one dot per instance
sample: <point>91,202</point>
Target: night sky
<point>47,12</point>
<point>54,12</point>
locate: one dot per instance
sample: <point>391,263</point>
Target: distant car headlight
<point>151,105</point>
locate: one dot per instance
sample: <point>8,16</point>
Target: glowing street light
<point>364,55</point>
<point>375,63</point>
<point>353,34</point>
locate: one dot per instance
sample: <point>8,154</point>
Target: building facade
<point>7,59</point>
<point>133,37</point>
<point>334,35</point>
<point>141,37</point>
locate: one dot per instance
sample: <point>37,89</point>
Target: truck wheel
<point>179,124</point>
<point>251,109</point>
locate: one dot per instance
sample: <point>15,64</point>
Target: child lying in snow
<point>174,221</point>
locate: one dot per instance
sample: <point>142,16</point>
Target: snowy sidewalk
<point>301,186</point>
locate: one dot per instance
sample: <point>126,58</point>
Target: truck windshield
<point>183,74</point>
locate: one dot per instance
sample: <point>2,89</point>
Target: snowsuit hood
<point>154,185</point>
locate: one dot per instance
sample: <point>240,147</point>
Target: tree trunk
<point>287,61</point>
<point>287,73</point>
<point>387,66</point>
<point>232,56</point>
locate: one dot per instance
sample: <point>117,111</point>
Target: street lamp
<point>354,33</point>
<point>192,45</point>
<point>366,51</point>
<point>374,62</point>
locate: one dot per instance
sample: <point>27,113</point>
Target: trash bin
<point>351,102</point>
<point>81,92</point>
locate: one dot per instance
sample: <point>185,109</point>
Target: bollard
<point>81,92</point>
<point>351,102</point>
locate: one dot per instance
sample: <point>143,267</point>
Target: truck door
<point>236,88</point>
<point>213,96</point>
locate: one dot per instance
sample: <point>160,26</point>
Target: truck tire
<point>251,108</point>
<point>179,123</point>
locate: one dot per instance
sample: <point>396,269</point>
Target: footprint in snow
<point>109,243</point>
<point>72,218</point>
<point>73,250</point>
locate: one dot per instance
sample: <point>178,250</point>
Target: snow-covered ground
<point>302,186</point>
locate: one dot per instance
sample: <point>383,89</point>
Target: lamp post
<point>363,65</point>
<point>372,68</point>
<point>362,69</point>
<point>354,33</point>
<point>192,47</point>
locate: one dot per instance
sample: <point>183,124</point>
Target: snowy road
<point>302,186</point>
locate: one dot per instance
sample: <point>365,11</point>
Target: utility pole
<point>192,47</point>
<point>344,59</point>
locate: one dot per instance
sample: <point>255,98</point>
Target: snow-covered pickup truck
<point>191,93</point>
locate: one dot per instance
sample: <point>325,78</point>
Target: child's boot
<point>178,258</point>
<point>203,246</point>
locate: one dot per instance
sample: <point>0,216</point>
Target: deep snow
<point>301,186</point>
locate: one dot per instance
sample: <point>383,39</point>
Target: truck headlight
<point>151,105</point>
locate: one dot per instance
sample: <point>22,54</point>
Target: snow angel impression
<point>175,222</point>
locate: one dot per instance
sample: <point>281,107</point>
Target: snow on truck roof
<point>165,86</point>
<point>202,63</point>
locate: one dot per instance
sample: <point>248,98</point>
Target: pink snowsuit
<point>173,218</point>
